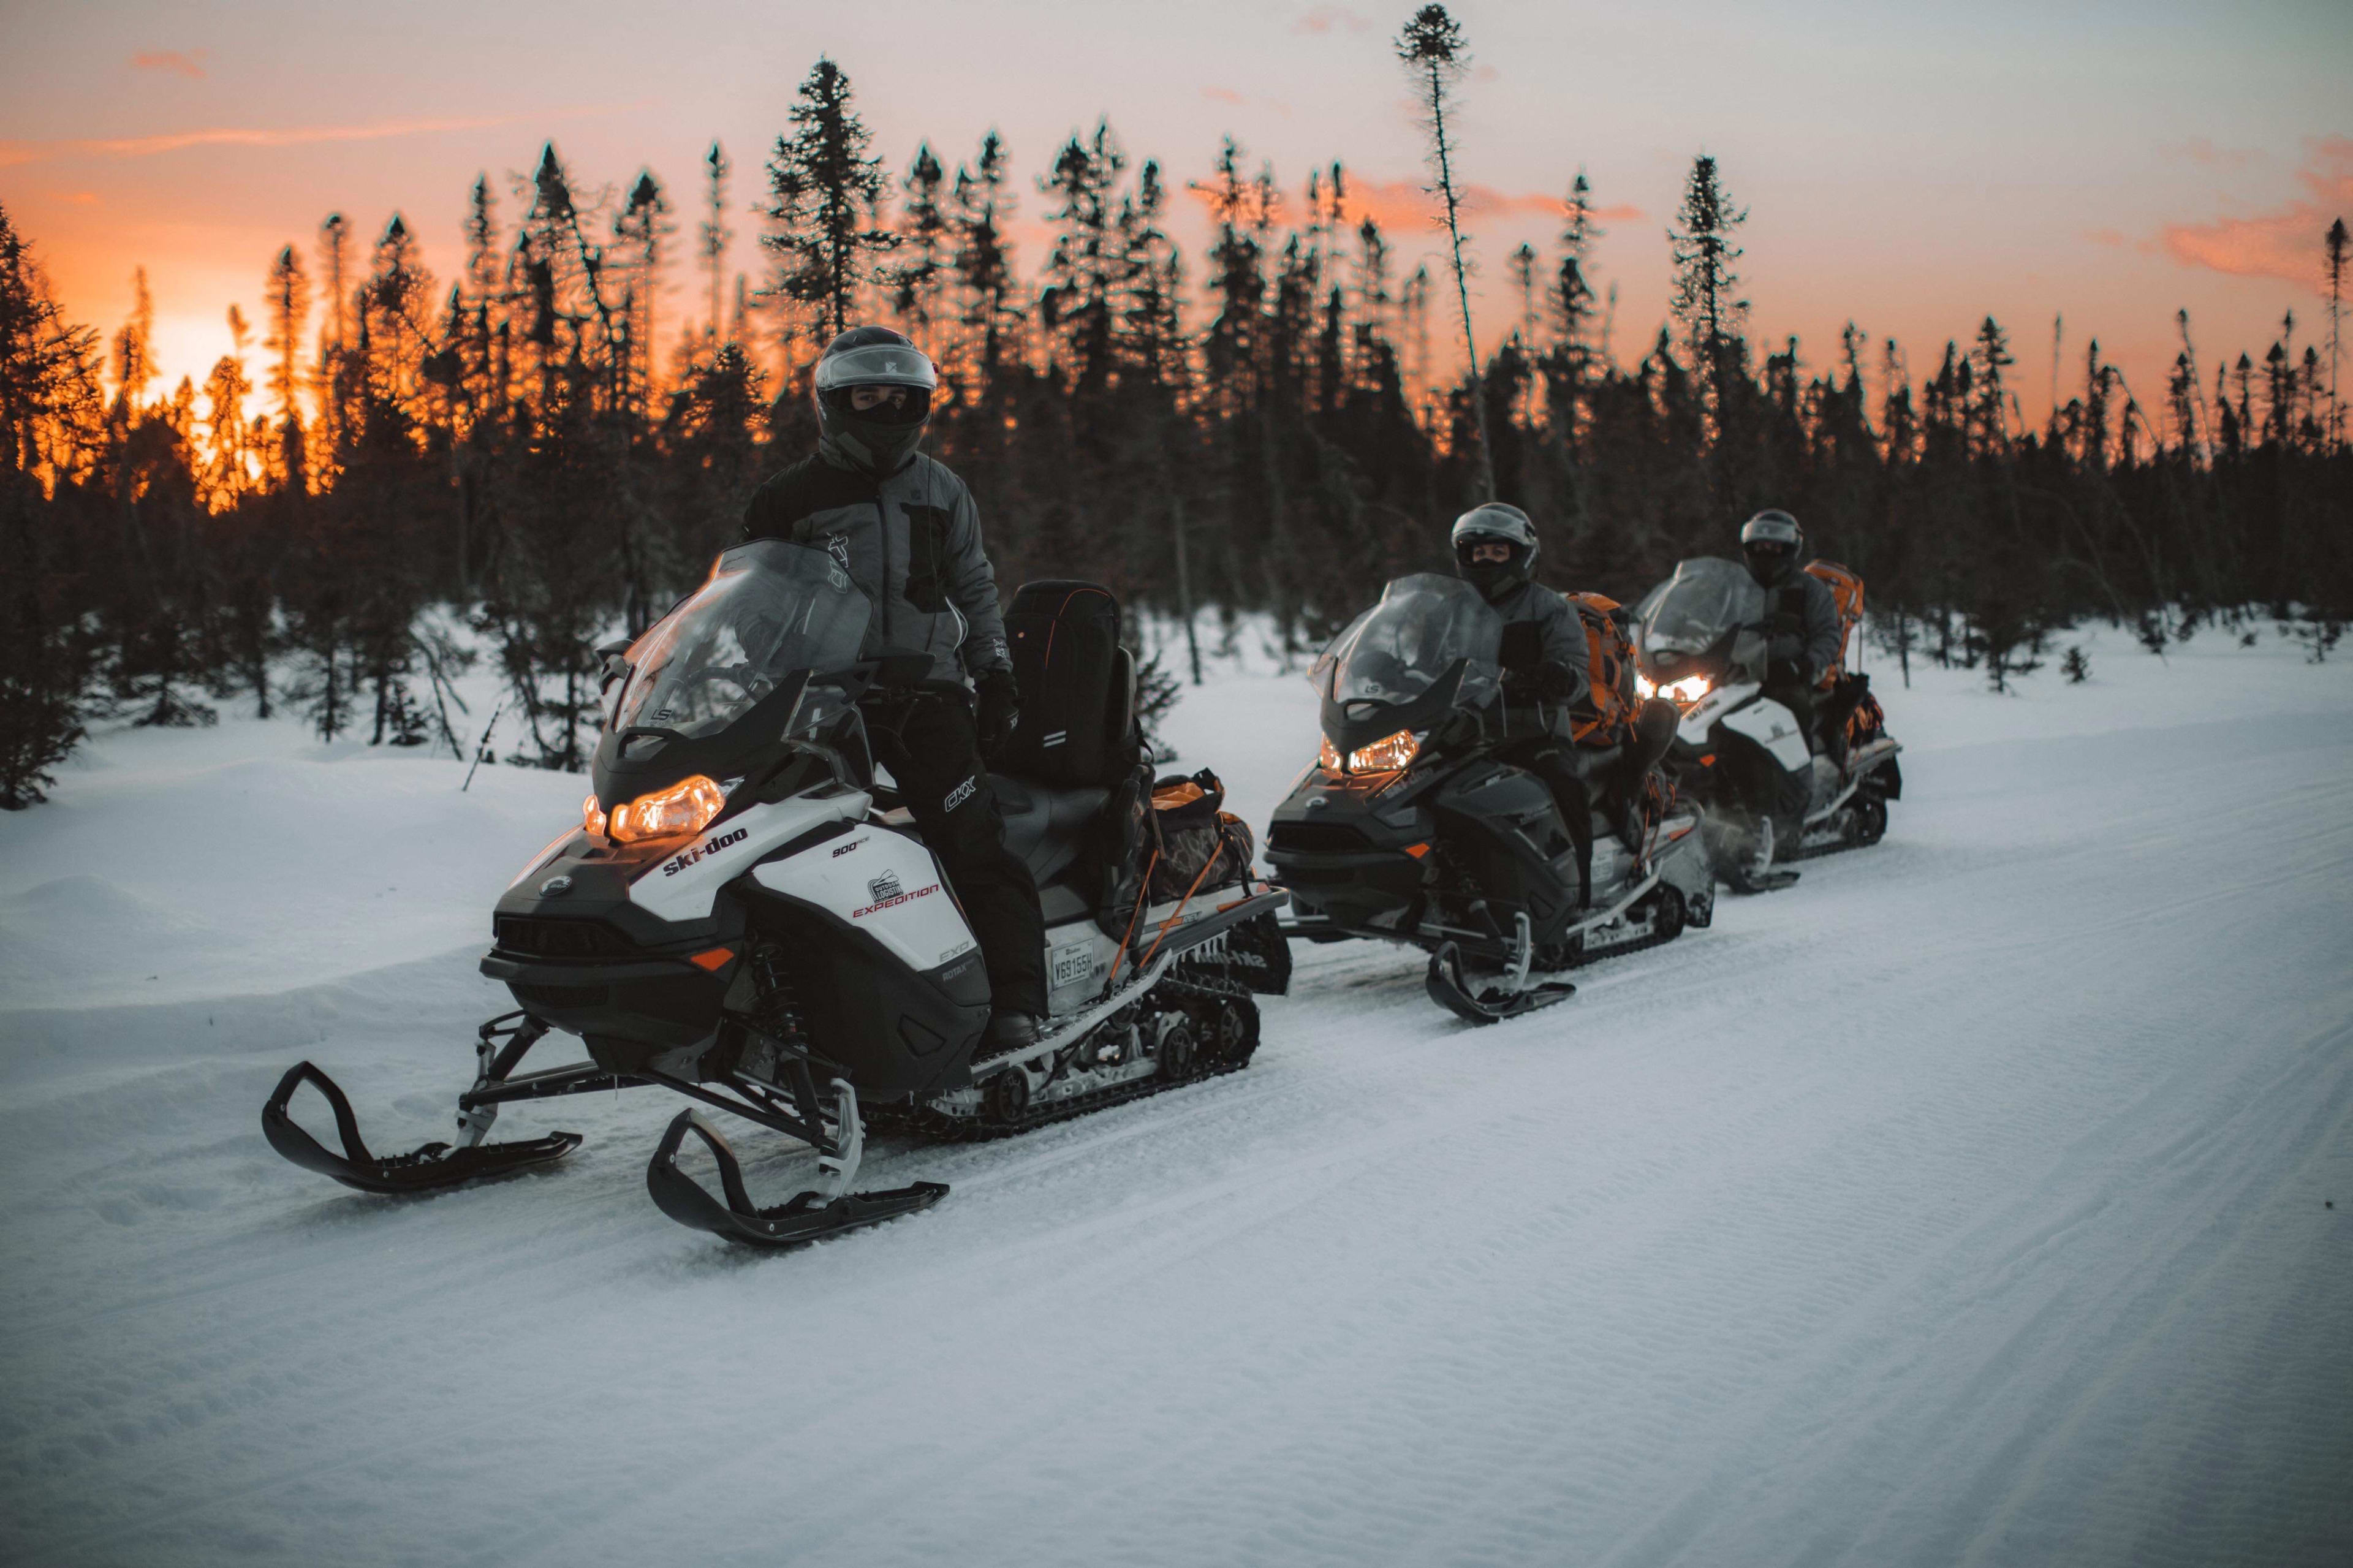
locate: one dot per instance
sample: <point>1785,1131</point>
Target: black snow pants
<point>930,743</point>
<point>1553,759</point>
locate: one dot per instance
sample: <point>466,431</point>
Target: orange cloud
<point>15,152</point>
<point>191,63</point>
<point>1398,205</point>
<point>1327,18</point>
<point>1223,95</point>
<point>2284,244</point>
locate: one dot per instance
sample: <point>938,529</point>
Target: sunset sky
<point>1911,168</point>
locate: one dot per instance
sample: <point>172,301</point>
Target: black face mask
<point>1494,579</point>
<point>1768,564</point>
<point>880,439</point>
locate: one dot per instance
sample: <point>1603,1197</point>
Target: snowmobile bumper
<point>424,1168</point>
<point>809,1217</point>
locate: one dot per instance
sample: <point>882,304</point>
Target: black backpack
<point>1078,687</point>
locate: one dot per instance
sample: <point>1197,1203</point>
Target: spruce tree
<point>825,194</point>
<point>1706,301</point>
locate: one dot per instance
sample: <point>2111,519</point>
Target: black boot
<point>1008,1032</point>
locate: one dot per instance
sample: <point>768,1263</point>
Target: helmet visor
<point>877,364</point>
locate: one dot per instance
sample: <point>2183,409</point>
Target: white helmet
<point>1495,523</point>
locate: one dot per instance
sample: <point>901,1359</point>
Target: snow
<point>1967,1203</point>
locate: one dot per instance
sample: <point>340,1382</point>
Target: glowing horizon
<point>1910,174</point>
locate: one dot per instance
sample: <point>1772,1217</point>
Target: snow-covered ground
<point>1967,1203</point>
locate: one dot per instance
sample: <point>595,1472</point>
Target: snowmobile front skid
<point>499,1046</point>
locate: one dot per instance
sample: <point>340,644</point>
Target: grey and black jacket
<point>910,542</point>
<point>1557,623</point>
<point>1808,599</point>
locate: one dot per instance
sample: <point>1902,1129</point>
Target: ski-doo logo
<point>681,862</point>
<point>885,891</point>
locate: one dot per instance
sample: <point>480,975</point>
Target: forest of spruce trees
<point>528,453</point>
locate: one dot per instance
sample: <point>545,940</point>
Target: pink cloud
<point>2199,150</point>
<point>15,152</point>
<point>2113,239</point>
<point>1223,95</point>
<point>1329,19</point>
<point>1400,205</point>
<point>2284,243</point>
<point>191,63</point>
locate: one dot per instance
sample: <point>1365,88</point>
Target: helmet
<point>879,440</point>
<point>1495,523</point>
<point>1772,542</point>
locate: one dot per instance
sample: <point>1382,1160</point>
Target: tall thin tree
<point>1433,48</point>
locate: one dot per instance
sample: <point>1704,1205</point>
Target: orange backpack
<point>1846,588</point>
<point>1610,656</point>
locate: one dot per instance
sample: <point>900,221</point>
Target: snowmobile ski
<point>809,1217</point>
<point>1450,989</point>
<point>424,1168</point>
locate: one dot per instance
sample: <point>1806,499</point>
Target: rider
<point>1496,551</point>
<point>905,529</point>
<point>1804,639</point>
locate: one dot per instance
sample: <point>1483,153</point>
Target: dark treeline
<point>1277,425</point>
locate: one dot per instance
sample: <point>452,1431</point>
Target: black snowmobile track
<point>943,1127</point>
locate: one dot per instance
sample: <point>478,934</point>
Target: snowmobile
<point>747,918</point>
<point>1771,794</point>
<point>1411,828</point>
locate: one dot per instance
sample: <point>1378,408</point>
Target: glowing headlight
<point>1684,692</point>
<point>684,807</point>
<point>591,817</point>
<point>1386,755</point>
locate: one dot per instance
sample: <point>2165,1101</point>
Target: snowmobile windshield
<point>1422,628</point>
<point>768,610</point>
<point>1692,611</point>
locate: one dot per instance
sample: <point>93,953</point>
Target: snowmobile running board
<point>1862,774</point>
<point>808,1217</point>
<point>1075,1025</point>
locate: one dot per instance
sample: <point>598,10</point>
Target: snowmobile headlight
<point>1684,692</point>
<point>684,807</point>
<point>591,817</point>
<point>1386,755</point>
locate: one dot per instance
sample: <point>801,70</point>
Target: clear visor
<point>877,364</point>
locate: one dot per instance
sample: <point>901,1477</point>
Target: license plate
<point>1075,964</point>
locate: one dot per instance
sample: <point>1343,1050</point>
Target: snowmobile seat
<point>1046,828</point>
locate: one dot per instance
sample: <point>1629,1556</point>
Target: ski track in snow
<point>1962,1204</point>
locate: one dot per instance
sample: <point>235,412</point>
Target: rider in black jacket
<point>1804,616</point>
<point>905,529</point>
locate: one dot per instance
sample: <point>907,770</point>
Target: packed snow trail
<point>1964,1203</point>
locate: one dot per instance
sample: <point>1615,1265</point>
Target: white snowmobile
<point>1410,829</point>
<point>1772,794</point>
<point>744,918</point>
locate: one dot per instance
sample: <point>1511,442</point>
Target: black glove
<point>1550,681</point>
<point>998,709</point>
<point>1786,672</point>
